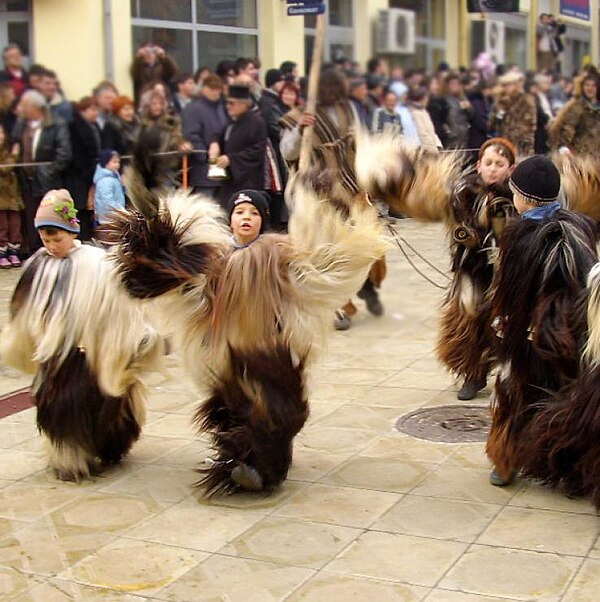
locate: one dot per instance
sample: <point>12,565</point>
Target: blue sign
<point>306,9</point>
<point>575,8</point>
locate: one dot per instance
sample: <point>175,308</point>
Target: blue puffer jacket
<point>109,193</point>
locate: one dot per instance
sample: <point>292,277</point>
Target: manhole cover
<point>447,424</point>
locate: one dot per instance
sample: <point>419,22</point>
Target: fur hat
<point>511,77</point>
<point>105,155</point>
<point>57,210</point>
<point>537,179</point>
<point>254,197</point>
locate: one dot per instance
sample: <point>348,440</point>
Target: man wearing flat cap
<point>514,114</point>
<point>244,145</point>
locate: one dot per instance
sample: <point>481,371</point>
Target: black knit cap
<point>239,92</point>
<point>255,197</point>
<point>272,77</point>
<point>537,179</point>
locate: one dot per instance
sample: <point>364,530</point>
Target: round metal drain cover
<point>447,424</point>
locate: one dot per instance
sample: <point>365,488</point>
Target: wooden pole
<point>184,168</point>
<point>313,85</point>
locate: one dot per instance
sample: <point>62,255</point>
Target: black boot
<point>369,295</point>
<point>470,389</point>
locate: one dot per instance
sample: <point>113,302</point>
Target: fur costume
<point>562,448</point>
<point>410,182</point>
<point>247,321</point>
<point>86,343</point>
<point>480,212</point>
<point>580,177</point>
<point>542,271</point>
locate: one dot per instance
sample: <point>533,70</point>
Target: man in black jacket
<point>204,122</point>
<point>244,144</point>
<point>40,138</point>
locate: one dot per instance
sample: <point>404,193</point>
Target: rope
<point>399,238</point>
<point>160,154</point>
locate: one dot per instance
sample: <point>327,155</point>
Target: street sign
<point>306,9</point>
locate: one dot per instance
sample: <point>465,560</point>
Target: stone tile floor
<point>367,513</point>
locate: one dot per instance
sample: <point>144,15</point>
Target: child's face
<point>114,163</point>
<point>245,222</point>
<point>59,244</point>
<point>493,167</point>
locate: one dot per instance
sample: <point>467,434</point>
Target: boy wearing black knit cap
<point>248,216</point>
<point>543,264</point>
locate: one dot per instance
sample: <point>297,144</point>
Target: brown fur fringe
<point>253,415</point>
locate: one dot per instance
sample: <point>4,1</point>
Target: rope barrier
<point>159,154</point>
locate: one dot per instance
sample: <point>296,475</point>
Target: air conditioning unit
<point>494,40</point>
<point>395,32</point>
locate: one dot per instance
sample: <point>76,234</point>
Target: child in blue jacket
<point>109,194</point>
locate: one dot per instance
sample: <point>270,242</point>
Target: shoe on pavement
<point>371,298</point>
<point>342,321</point>
<point>14,260</point>
<point>470,389</point>
<point>498,481</point>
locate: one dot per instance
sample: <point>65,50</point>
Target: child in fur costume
<point>481,204</point>
<point>544,261</point>
<point>85,342</point>
<point>247,318</point>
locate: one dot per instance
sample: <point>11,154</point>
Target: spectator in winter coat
<point>109,194</point>
<point>409,129</point>
<point>40,138</point>
<point>438,110</point>
<point>243,145</point>
<point>417,105</point>
<point>79,176</point>
<point>185,91</point>
<point>125,121</point>
<point>460,113</point>
<point>274,82</point>
<point>151,63</point>
<point>514,114</point>
<point>386,117</point>
<point>204,122</point>
<point>14,73</point>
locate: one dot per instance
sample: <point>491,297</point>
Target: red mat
<point>14,402</point>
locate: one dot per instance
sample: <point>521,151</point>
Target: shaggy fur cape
<point>542,272</point>
<point>87,343</point>
<point>247,321</point>
<point>480,213</point>
<point>562,444</point>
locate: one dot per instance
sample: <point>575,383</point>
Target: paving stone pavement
<point>366,514</point>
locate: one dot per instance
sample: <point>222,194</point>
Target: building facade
<point>86,41</point>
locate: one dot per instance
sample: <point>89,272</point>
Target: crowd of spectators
<point>228,122</point>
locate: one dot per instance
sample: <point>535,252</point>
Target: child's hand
<point>213,150</point>
<point>186,147</point>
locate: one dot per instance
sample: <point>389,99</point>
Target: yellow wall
<point>68,38</point>
<point>122,45</point>
<point>365,17</point>
<point>281,38</point>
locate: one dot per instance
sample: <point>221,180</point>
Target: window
<point>339,36</point>
<point>197,32</point>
